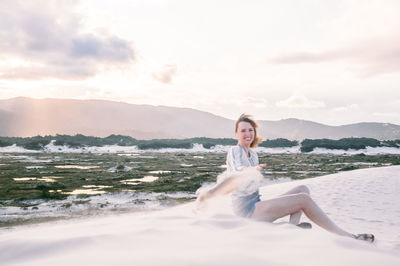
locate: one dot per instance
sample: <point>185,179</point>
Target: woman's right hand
<point>202,197</point>
<point>261,166</point>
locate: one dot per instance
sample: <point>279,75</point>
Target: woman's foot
<point>305,225</point>
<point>366,237</point>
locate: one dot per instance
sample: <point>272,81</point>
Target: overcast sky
<point>333,62</point>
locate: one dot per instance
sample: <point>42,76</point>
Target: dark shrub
<point>279,143</point>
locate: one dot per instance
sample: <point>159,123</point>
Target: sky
<point>330,61</point>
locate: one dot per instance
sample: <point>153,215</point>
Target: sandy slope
<point>360,201</point>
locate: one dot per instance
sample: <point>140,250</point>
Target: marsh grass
<point>92,170</point>
<point>171,169</point>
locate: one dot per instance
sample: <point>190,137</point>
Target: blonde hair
<point>249,119</point>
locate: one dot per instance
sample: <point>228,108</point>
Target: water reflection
<point>159,172</point>
<point>86,191</point>
<point>49,179</point>
<point>136,181</point>
<point>24,178</point>
<point>77,167</point>
<point>34,167</point>
<point>96,186</point>
<point>58,190</point>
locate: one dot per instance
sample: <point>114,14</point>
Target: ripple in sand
<point>375,221</point>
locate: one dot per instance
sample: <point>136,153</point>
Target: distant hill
<point>301,129</point>
<point>23,117</point>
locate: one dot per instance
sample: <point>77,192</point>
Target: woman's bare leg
<point>270,210</point>
<point>295,217</point>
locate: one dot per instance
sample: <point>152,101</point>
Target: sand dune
<point>359,201</point>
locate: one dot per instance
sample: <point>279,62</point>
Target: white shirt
<point>236,160</point>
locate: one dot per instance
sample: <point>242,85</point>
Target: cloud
<point>387,115</point>
<point>347,108</point>
<point>305,57</point>
<point>166,74</point>
<point>300,101</point>
<point>49,37</point>
<point>370,57</point>
<point>111,48</point>
<point>256,102</point>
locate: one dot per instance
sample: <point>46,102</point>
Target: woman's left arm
<point>232,182</point>
<point>225,187</point>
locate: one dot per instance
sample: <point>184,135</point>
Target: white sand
<point>361,201</point>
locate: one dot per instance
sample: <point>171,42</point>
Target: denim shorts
<point>244,206</point>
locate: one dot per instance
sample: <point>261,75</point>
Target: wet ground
<point>42,186</point>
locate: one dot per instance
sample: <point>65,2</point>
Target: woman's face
<point>245,134</point>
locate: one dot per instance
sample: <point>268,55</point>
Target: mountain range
<point>24,117</point>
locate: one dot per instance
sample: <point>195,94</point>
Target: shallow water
<point>77,167</point>
<point>110,174</point>
<point>160,172</point>
<point>136,181</point>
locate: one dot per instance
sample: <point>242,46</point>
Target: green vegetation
<point>5,143</point>
<point>209,142</point>
<point>30,143</point>
<point>80,141</point>
<point>278,143</point>
<point>392,143</point>
<point>308,145</point>
<point>164,143</point>
<point>56,175</point>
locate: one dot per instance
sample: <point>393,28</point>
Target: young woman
<point>242,178</point>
